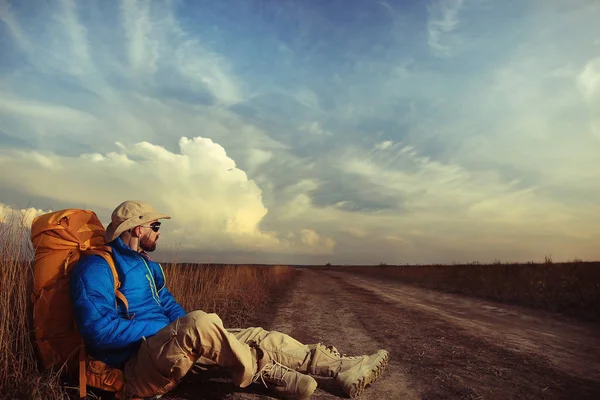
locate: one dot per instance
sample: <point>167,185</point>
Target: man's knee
<point>247,335</point>
<point>200,320</point>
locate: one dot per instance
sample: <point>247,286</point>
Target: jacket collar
<point>119,246</point>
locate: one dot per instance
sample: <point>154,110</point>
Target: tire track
<point>447,361</point>
<point>320,309</point>
<point>570,345</point>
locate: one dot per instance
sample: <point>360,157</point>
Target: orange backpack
<point>59,239</point>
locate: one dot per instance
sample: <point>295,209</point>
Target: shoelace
<point>273,370</point>
<point>335,352</point>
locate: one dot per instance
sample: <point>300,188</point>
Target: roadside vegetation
<point>234,292</point>
<point>570,288</point>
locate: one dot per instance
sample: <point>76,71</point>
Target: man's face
<point>148,236</point>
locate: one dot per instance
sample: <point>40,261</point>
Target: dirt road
<point>442,346</point>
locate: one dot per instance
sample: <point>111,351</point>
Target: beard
<point>147,245</point>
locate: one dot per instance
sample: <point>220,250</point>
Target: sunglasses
<point>155,226</point>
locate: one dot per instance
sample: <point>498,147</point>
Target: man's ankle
<point>260,357</point>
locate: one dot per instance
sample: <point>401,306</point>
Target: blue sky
<point>312,131</point>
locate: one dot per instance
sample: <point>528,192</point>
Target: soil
<point>442,346</point>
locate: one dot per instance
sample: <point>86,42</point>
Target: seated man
<point>156,342</point>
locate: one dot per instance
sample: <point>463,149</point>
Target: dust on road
<point>442,346</point>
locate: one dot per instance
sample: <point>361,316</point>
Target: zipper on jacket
<point>164,278</point>
<point>151,282</point>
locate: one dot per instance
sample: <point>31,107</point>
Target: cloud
<point>384,145</point>
<point>589,79</point>
<point>142,48</point>
<point>386,6</point>
<point>357,233</point>
<point>313,239</point>
<point>156,49</point>
<point>75,31</point>
<point>24,216</point>
<point>449,208</point>
<point>307,98</point>
<point>203,68</point>
<point>258,157</point>
<point>12,24</point>
<point>443,21</point>
<point>213,203</point>
<point>46,113</point>
<point>588,82</point>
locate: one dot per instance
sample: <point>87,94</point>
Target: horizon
<point>305,133</point>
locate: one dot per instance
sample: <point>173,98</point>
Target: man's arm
<point>94,304</point>
<point>171,306</point>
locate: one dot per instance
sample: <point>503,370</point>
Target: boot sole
<point>358,388</point>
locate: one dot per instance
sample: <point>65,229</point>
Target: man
<point>156,342</point>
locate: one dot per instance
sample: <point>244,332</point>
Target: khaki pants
<point>280,347</point>
<point>163,359</point>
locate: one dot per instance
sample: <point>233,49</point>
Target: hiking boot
<point>356,373</point>
<point>286,382</point>
<point>352,373</point>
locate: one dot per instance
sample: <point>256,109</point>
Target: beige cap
<point>130,214</point>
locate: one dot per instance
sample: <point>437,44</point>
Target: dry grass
<point>19,376</point>
<point>235,292</point>
<point>571,288</point>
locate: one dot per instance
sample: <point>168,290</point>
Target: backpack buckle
<point>111,377</point>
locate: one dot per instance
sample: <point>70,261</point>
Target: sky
<point>311,131</point>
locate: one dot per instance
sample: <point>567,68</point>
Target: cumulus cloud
<point>24,216</point>
<point>313,239</point>
<point>214,205</point>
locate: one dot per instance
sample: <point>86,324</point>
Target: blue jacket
<point>110,336</point>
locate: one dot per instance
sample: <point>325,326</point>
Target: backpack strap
<point>82,373</point>
<point>113,268</point>
<point>105,252</point>
<point>99,375</point>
